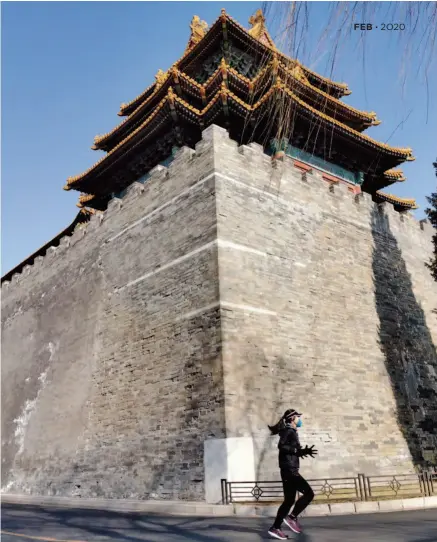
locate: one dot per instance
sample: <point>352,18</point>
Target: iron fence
<point>356,488</point>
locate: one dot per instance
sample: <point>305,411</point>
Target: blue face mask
<point>299,423</point>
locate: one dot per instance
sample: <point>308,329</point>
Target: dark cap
<point>290,413</point>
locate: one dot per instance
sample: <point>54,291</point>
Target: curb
<point>173,508</point>
<point>179,508</point>
<point>346,508</point>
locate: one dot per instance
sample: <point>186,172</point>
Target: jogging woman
<point>290,451</point>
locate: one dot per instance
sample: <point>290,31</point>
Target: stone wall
<point>201,306</point>
<point>330,312</point>
<point>111,376</point>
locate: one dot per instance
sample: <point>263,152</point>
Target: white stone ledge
<point>366,507</point>
<point>346,508</point>
<point>340,508</point>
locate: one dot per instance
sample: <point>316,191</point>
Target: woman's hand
<point>310,451</point>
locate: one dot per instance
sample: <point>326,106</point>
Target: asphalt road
<point>26,523</point>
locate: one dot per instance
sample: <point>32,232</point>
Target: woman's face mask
<point>299,423</point>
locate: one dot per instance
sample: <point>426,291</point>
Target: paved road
<point>26,523</point>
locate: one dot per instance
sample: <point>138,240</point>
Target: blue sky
<point>67,66</point>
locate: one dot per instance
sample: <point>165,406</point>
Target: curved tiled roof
<point>405,153</point>
<point>395,174</point>
<point>158,113</point>
<point>85,198</point>
<point>73,179</point>
<point>341,88</point>
<point>396,200</point>
<point>367,118</point>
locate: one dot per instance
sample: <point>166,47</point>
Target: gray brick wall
<point>131,379</point>
<point>201,306</point>
<point>332,314</point>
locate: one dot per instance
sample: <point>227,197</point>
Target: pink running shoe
<point>278,534</point>
<point>293,524</point>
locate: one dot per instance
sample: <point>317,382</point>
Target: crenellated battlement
<point>286,179</point>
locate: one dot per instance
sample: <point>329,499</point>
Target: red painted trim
<point>330,178</point>
<point>301,165</point>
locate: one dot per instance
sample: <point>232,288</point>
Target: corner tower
<point>219,274</point>
<point>236,78</point>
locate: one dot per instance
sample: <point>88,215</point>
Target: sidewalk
<point>180,508</point>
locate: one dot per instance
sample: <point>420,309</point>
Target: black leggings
<point>293,483</point>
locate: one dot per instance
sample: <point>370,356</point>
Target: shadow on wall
<point>266,410</point>
<point>405,340</point>
<point>203,412</point>
<point>260,390</point>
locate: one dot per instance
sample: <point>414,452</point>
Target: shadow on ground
<point>115,526</point>
<point>101,526</point>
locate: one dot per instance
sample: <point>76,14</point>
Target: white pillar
<point>229,458</point>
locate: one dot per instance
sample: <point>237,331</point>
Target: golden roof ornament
<point>171,94</point>
<point>258,24</point>
<point>160,77</point>
<point>279,84</point>
<point>224,68</point>
<point>198,31</point>
<point>275,62</point>
<point>375,120</point>
<point>298,72</point>
<point>259,30</point>
<point>396,199</point>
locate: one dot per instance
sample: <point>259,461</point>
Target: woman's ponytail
<point>286,418</point>
<point>274,429</point>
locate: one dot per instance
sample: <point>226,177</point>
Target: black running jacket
<point>290,450</point>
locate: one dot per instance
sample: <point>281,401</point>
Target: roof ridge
<point>368,114</point>
<point>175,64</point>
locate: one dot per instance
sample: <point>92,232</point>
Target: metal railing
<point>357,488</point>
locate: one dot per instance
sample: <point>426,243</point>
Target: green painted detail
<point>277,145</point>
<point>237,59</point>
<point>360,177</point>
<point>170,159</point>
